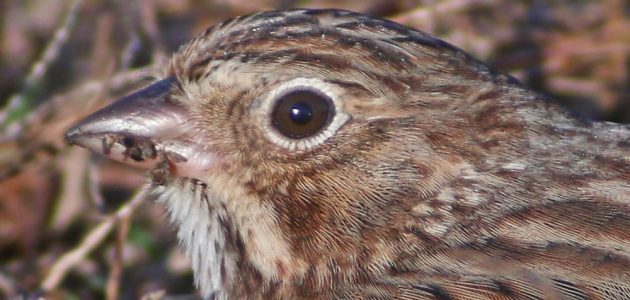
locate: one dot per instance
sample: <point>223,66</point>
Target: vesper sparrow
<point>326,154</point>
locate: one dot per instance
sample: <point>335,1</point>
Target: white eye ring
<point>329,90</point>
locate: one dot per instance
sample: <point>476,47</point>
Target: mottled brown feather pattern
<point>449,181</point>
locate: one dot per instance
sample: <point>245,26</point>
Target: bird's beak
<point>143,129</point>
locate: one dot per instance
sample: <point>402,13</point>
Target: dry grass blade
<point>92,240</point>
<point>38,70</point>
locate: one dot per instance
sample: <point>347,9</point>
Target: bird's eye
<point>302,113</point>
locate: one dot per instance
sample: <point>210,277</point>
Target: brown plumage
<point>327,154</point>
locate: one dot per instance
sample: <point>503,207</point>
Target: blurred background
<point>72,225</point>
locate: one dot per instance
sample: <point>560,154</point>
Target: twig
<point>7,285</point>
<point>128,16</point>
<point>113,281</point>
<point>150,25</point>
<point>94,188</point>
<point>39,68</point>
<point>69,260</point>
<point>71,203</point>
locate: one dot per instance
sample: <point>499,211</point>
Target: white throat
<point>201,232</point>
<point>207,222</point>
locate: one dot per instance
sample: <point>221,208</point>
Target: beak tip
<point>70,134</point>
<point>73,136</point>
<point>70,137</point>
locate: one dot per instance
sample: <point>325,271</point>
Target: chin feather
<point>200,231</point>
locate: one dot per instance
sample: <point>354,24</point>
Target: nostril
<point>128,141</point>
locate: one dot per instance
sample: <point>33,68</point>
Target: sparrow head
<point>305,150</point>
<point>338,128</point>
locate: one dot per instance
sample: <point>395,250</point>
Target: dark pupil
<point>301,114</point>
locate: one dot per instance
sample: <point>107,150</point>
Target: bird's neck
<point>234,246</point>
<point>201,232</point>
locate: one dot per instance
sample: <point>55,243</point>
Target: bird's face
<point>314,146</point>
<point>324,119</point>
<point>327,154</point>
